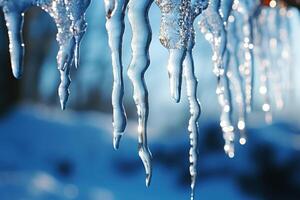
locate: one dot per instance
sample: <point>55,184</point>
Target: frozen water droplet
<point>242,141</point>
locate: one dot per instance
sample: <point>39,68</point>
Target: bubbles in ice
<point>173,36</point>
<point>194,10</point>
<point>178,36</point>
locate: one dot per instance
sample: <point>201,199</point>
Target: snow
<point>68,156</point>
<point>49,154</point>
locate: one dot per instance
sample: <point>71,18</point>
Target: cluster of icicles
<point>228,25</point>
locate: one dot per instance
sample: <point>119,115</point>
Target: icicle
<point>213,28</point>
<point>275,51</point>
<point>231,72</point>
<point>141,38</point>
<point>115,11</point>
<point>63,89</point>
<point>195,109</point>
<point>264,67</point>
<point>286,53</point>
<point>247,9</point>
<point>191,83</point>
<point>58,11</point>
<point>14,23</point>
<point>69,19</point>
<point>236,81</point>
<point>14,16</point>
<point>232,62</point>
<point>77,15</point>
<point>173,37</point>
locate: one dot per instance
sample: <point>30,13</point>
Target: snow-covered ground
<point>49,154</point>
<point>70,156</point>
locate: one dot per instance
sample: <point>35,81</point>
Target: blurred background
<point>49,154</point>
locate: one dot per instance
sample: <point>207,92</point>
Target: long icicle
<point>247,9</point>
<point>173,37</point>
<point>66,42</point>
<point>59,11</point>
<point>236,77</point>
<point>14,21</point>
<point>213,28</point>
<point>194,9</point>
<point>195,110</point>
<point>262,41</point>
<point>224,12</point>
<point>286,54</point>
<point>141,38</point>
<point>275,51</point>
<point>77,15</point>
<point>232,63</point>
<point>115,12</point>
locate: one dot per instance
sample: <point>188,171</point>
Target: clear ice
<point>115,13</point>
<point>141,38</point>
<point>177,34</point>
<point>191,86</point>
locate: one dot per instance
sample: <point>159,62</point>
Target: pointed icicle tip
<point>17,73</point>
<point>192,194</point>
<point>148,179</point>
<point>62,105</point>
<point>116,140</point>
<point>146,157</point>
<point>193,190</point>
<point>76,57</point>
<point>175,61</point>
<point>175,93</point>
<point>14,23</point>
